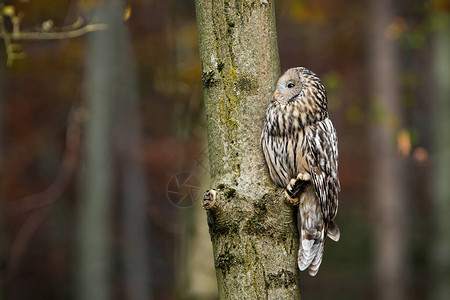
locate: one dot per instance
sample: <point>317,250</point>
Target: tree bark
<point>388,203</point>
<point>254,235</point>
<point>440,260</point>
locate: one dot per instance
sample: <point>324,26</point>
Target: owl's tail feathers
<point>333,231</point>
<point>311,246</point>
<point>310,252</point>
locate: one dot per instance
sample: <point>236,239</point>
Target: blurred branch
<point>38,203</point>
<point>40,35</point>
<point>67,170</point>
<point>46,32</point>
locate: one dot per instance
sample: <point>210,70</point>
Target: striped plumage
<point>299,142</point>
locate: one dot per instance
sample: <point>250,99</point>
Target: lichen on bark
<point>253,231</point>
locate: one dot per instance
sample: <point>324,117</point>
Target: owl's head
<point>301,86</point>
<point>289,87</point>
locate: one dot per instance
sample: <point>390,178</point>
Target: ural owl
<point>300,147</point>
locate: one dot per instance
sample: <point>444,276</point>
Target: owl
<point>299,144</point>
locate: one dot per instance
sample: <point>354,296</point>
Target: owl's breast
<point>284,119</point>
<point>284,153</point>
<point>293,153</point>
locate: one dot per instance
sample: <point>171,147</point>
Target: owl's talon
<point>296,186</point>
<point>303,176</point>
<point>289,199</point>
<point>291,196</point>
<point>290,189</point>
<point>209,199</point>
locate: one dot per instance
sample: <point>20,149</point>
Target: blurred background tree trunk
<point>440,262</point>
<point>95,259</point>
<point>196,273</point>
<point>3,229</point>
<point>254,235</point>
<point>202,282</point>
<point>134,195</point>
<point>386,178</point>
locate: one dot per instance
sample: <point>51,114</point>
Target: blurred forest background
<point>103,154</point>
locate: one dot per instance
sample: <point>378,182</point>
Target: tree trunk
<point>441,164</point>
<point>134,196</point>
<point>94,216</point>
<point>195,269</point>
<point>388,202</point>
<point>254,235</point>
<point>201,283</point>
<point>3,224</point>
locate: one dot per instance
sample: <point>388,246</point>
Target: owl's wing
<point>322,159</point>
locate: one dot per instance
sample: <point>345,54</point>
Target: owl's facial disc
<point>289,87</point>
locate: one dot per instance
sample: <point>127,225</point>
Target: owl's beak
<point>275,94</point>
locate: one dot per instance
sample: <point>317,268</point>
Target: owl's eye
<point>290,85</point>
